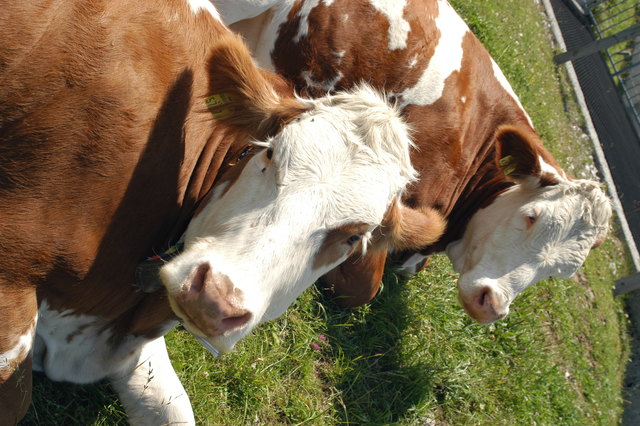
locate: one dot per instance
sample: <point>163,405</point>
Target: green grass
<point>614,16</point>
<point>412,356</point>
<point>611,18</point>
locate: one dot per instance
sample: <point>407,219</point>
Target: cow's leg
<point>18,314</point>
<point>151,391</point>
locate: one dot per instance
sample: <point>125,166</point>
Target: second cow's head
<point>543,226</point>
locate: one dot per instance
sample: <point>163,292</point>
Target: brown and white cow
<point>514,217</point>
<point>119,122</point>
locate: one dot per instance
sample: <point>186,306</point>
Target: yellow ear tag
<point>508,166</point>
<point>216,104</point>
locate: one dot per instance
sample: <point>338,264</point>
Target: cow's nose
<point>212,303</point>
<point>484,305</point>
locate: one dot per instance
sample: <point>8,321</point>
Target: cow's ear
<point>516,154</point>
<point>244,96</point>
<point>521,157</point>
<point>404,228</point>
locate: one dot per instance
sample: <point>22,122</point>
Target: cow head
<point>543,226</point>
<point>326,172</point>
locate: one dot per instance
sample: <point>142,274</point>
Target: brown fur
<point>344,280</point>
<point>517,153</point>
<point>409,229</point>
<point>357,280</point>
<point>335,242</point>
<point>263,111</point>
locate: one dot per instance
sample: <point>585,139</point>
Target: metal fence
<point>609,107</point>
<point>608,18</point>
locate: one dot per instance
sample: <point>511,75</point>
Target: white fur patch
<point>151,391</point>
<point>206,5</point>
<point>326,86</point>
<point>499,75</point>
<point>548,168</point>
<point>398,26</point>
<point>446,59</point>
<point>77,348</point>
<point>304,13</point>
<point>9,358</point>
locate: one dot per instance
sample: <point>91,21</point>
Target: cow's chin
<point>217,345</point>
<point>216,341</point>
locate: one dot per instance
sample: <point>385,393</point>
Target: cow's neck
<point>483,187</point>
<point>152,214</point>
<point>473,181</point>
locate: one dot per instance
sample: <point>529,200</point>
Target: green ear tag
<point>507,165</point>
<point>505,160</point>
<point>216,104</point>
<point>509,170</point>
<point>218,99</point>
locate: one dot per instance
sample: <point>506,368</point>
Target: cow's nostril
<point>235,321</point>
<point>199,277</point>
<point>485,298</point>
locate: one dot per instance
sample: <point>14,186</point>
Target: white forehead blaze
<point>446,59</point>
<point>398,26</point>
<point>335,168</point>
<point>206,5</point>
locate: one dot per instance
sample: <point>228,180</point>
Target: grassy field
<point>412,356</point>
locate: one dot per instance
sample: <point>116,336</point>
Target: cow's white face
<point>289,214</point>
<point>529,233</point>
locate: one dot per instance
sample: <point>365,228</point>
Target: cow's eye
<point>269,153</point>
<point>354,239</point>
<point>531,218</point>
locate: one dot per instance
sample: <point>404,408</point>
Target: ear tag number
<point>216,104</point>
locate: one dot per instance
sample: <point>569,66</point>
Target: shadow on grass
<point>66,403</point>
<point>379,383</point>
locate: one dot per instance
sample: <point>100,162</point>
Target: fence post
<point>627,284</point>
<point>598,45</point>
